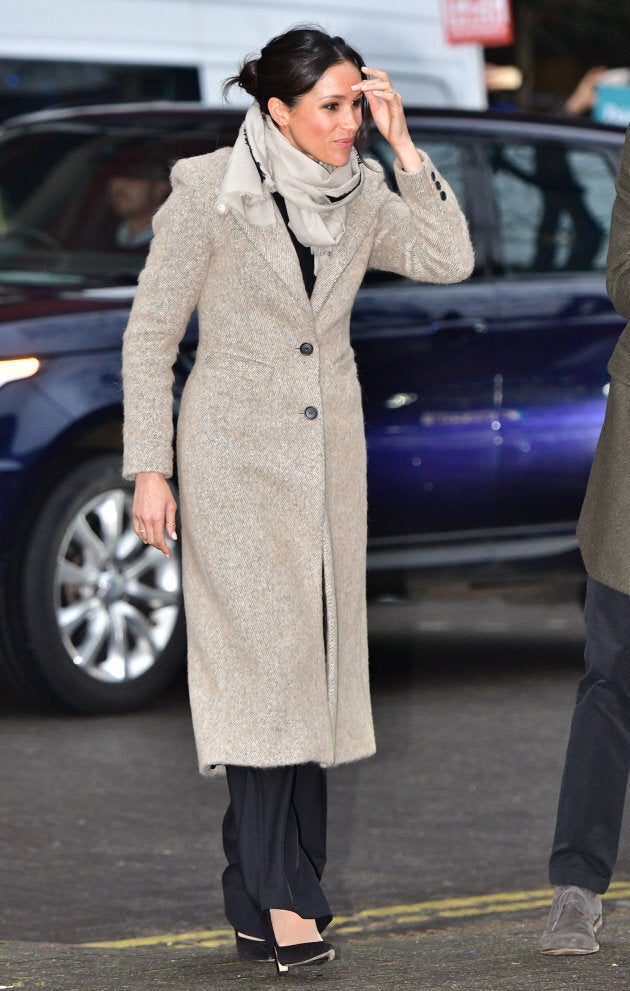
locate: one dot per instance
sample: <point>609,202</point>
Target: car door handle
<point>458,418</point>
<point>459,329</point>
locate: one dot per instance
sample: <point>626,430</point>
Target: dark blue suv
<point>483,401</point>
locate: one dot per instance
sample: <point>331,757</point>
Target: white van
<point>95,51</point>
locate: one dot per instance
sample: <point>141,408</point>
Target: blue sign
<point>612,105</point>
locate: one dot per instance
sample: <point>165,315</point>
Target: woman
<point>270,241</point>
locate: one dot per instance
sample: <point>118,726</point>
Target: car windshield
<point>76,202</point>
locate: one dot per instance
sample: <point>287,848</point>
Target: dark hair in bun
<point>290,65</point>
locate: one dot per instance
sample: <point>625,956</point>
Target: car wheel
<point>103,611</point>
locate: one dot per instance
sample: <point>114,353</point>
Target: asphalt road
<point>109,836</point>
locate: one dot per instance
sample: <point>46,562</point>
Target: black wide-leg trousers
<point>595,779</point>
<point>274,837</point>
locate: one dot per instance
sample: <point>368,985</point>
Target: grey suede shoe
<point>575,917</point>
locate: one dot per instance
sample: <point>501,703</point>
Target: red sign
<point>478,22</point>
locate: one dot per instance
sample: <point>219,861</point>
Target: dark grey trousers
<point>274,836</point>
<point>595,779</point>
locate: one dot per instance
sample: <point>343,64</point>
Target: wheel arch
<point>34,659</point>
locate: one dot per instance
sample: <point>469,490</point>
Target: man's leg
<point>595,778</point>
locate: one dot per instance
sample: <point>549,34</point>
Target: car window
<point>77,204</point>
<point>553,205</point>
<point>445,153</point>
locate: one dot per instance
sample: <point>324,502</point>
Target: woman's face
<point>324,121</point>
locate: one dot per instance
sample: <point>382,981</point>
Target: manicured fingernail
<point>174,536</point>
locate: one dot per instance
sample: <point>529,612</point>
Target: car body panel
<point>427,370</point>
<point>552,409</point>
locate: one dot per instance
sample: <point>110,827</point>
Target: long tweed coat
<point>271,453</point>
<point>604,525</point>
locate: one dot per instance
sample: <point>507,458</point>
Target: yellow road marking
<point>369,919</point>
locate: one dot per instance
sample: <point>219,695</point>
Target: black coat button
<point>433,176</point>
<point>306,348</point>
<point>442,195</point>
<point>310,413</point>
<point>438,185</point>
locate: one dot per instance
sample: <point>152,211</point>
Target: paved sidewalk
<point>490,956</point>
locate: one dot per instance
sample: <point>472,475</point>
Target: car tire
<point>103,613</point>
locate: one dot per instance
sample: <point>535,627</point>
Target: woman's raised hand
<point>154,510</point>
<point>389,116</point>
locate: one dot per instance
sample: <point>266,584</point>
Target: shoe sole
<point>574,951</point>
<point>322,958</point>
<point>569,951</point>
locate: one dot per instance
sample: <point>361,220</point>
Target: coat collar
<point>275,247</point>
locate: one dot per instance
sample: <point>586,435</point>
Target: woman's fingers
<point>154,533</point>
<point>384,101</point>
<point>170,514</point>
<point>388,114</point>
<point>379,85</point>
<point>151,532</point>
<point>154,511</point>
<point>159,541</point>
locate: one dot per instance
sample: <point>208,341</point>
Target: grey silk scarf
<point>316,195</point>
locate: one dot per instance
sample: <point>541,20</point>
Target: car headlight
<point>17,368</point>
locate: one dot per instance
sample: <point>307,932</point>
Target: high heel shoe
<point>253,949</point>
<point>297,954</point>
<point>302,955</point>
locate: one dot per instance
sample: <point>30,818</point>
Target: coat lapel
<point>359,218</point>
<point>275,246</point>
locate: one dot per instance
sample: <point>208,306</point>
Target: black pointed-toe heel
<point>253,949</point>
<point>302,955</point>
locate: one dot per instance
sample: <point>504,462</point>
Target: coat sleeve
<point>618,264</point>
<point>168,290</point>
<point>422,233</point>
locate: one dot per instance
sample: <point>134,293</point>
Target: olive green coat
<point>271,454</point>
<point>604,525</point>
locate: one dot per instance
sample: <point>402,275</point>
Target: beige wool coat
<point>604,525</point>
<point>271,453</point>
